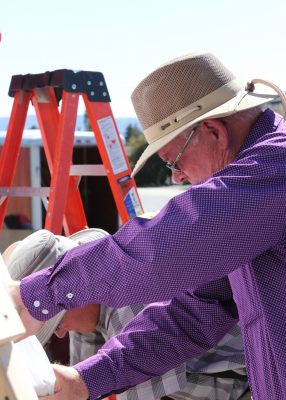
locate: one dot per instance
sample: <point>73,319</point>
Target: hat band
<point>193,111</point>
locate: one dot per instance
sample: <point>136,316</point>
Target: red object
<point>65,208</point>
<point>11,148</point>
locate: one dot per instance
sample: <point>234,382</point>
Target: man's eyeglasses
<point>173,166</point>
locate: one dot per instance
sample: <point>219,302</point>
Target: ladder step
<point>24,191</point>
<point>88,170</point>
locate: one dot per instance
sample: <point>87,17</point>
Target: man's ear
<point>218,131</point>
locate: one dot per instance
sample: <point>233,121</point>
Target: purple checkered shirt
<point>221,240</point>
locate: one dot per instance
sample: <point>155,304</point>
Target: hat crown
<point>176,85</point>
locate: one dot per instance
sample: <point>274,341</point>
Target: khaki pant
<point>247,396</point>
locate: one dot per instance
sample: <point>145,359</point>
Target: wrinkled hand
<point>69,385</point>
<point>32,325</point>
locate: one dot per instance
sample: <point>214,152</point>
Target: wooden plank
<point>5,390</point>
<point>15,383</point>
<point>10,323</point>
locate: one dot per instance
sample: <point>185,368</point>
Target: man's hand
<point>69,385</point>
<point>32,325</point>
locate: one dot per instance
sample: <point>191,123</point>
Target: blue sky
<point>127,39</point>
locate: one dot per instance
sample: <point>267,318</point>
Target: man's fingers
<point>56,396</point>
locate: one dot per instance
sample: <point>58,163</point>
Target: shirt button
<point>69,295</point>
<point>44,311</point>
<point>37,303</point>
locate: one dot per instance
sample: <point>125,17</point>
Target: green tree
<point>132,133</point>
<point>154,172</point>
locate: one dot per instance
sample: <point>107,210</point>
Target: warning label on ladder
<point>112,145</point>
<point>130,197</point>
<point>132,203</point>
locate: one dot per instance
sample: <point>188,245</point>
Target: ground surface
<point>154,198</point>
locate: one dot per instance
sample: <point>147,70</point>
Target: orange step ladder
<point>57,125</point>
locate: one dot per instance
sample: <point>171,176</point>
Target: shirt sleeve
<point>112,321</point>
<point>201,235</point>
<point>162,336</point>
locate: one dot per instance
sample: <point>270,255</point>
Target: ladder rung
<point>25,191</point>
<point>87,170</point>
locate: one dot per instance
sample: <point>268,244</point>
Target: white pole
<point>35,177</point>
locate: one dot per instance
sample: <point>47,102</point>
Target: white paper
<point>37,365</point>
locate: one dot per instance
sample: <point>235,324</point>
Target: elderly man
<point>214,254</point>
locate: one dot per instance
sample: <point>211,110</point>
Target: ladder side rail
<point>123,187</point>
<point>62,163</point>
<point>12,144</point>
<point>75,219</point>
<point>47,113</point>
<point>48,117</point>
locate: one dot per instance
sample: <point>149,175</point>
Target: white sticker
<point>112,145</point>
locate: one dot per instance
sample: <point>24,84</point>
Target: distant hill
<point>31,122</point>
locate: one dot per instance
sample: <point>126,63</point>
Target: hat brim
<point>249,100</point>
<point>88,235</point>
<point>49,327</point>
<point>9,251</point>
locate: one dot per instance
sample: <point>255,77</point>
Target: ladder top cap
<point>89,82</point>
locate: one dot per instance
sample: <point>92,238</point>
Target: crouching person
<point>218,374</point>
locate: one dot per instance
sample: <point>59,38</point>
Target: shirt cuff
<point>97,374</point>
<point>39,298</point>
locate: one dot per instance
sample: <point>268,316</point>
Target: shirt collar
<point>266,123</point>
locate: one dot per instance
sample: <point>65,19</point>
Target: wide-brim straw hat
<point>40,250</point>
<point>184,91</point>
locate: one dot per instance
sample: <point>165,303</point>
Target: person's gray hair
<point>245,114</point>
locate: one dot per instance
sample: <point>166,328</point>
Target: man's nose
<point>61,332</point>
<point>178,177</point>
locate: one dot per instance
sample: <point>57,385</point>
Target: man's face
<point>202,157</point>
<point>83,320</point>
